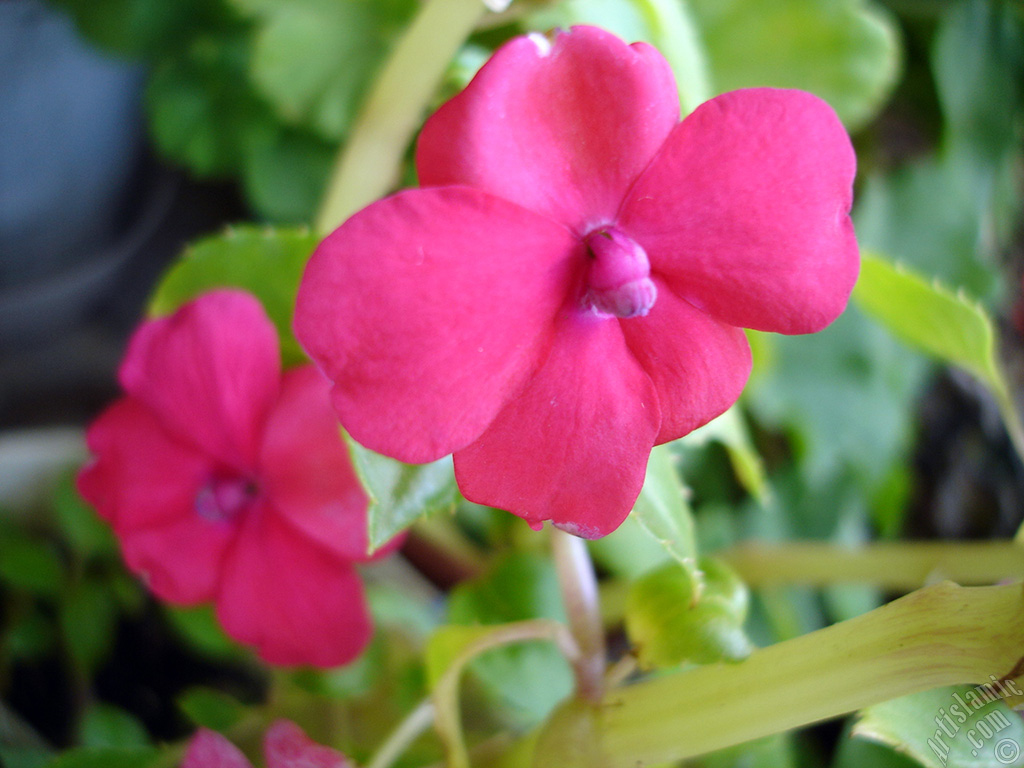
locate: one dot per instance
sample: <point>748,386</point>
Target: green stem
<point>940,635</point>
<point>369,163</point>
<point>405,734</point>
<point>579,591</point>
<point>892,565</point>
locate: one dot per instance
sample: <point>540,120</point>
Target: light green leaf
<point>959,726</point>
<point>670,621</point>
<point>932,318</point>
<point>265,261</point>
<point>662,510</point>
<point>845,51</point>
<point>313,59</point>
<point>400,493</point>
<point>665,24</point>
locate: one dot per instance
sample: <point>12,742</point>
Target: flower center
<point>619,280</point>
<point>223,498</point>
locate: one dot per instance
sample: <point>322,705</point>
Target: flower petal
<point>208,749</point>
<point>561,127</point>
<point>295,601</point>
<point>140,475</point>
<point>209,372</point>
<point>573,446</point>
<point>287,746</point>
<point>745,211</point>
<point>427,310</point>
<point>306,470</point>
<point>698,365</point>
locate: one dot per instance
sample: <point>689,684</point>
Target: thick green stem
<point>368,166</point>
<point>891,565</point>
<point>940,635</point>
<point>579,591</point>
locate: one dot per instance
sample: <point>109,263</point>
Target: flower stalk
<point>941,635</point>
<point>579,591</point>
<point>891,565</point>
<point>368,165</point>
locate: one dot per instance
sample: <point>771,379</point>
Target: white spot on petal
<point>542,43</point>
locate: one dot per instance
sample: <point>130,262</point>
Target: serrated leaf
<point>266,261</point>
<point>211,709</point>
<point>959,726</point>
<point>671,621</point>
<point>313,59</point>
<point>931,317</point>
<point>845,51</point>
<point>400,493</point>
<point>662,510</point>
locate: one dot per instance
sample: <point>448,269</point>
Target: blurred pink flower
<point>570,286</point>
<point>227,481</point>
<point>284,745</point>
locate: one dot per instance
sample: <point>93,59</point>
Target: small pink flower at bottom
<point>227,481</point>
<point>284,745</point>
<point>569,287</point>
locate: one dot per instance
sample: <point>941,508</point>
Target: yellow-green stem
<point>940,635</point>
<point>368,166</point>
<point>579,591</point>
<point>892,565</point>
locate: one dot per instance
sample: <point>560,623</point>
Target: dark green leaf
<point>267,262</point>
<point>106,757</point>
<point>104,725</point>
<point>88,616</point>
<point>81,526</point>
<point>211,709</point>
<point>199,627</point>
<point>29,562</point>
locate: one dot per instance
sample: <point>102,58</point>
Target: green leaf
<point>200,628</point>
<point>88,618</point>
<point>845,51</point>
<point>28,635</point>
<point>959,726</point>
<point>265,261</point>
<point>671,620</point>
<point>29,562</point>
<point>89,535</point>
<point>314,59</point>
<point>104,725</point>
<point>932,318</point>
<point>662,510</point>
<point>143,28</point>
<point>400,493</point>
<point>525,681</point>
<point>106,757</point>
<point>211,709</point>
<point>285,171</point>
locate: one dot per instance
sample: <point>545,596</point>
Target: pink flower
<point>228,481</point>
<point>569,287</point>
<point>285,746</point>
